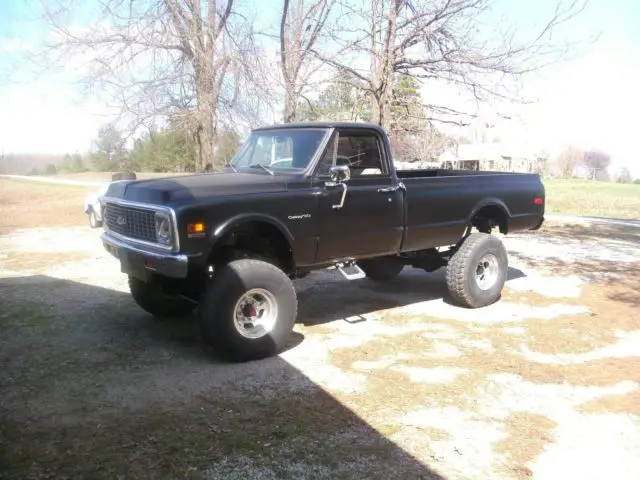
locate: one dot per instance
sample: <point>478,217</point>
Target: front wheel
<point>248,310</point>
<point>476,273</point>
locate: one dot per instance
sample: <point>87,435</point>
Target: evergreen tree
<point>407,111</point>
<point>110,153</point>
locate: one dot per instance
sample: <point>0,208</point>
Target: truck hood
<point>162,191</point>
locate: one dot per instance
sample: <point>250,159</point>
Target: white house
<point>494,156</point>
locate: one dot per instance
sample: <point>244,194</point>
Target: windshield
<point>284,150</point>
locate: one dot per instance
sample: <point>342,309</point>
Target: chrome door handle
<point>344,192</point>
<point>392,188</point>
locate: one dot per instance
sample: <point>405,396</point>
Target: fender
<point>489,202</point>
<point>221,229</point>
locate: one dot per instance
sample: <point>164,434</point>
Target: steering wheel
<point>344,160</point>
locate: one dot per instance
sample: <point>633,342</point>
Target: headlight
<point>163,229</point>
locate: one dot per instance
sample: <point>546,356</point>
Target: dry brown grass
<point>299,423</point>
<point>573,334</point>
<point>528,434</point>
<point>610,311</point>
<point>32,262</point>
<point>627,404</point>
<point>26,204</point>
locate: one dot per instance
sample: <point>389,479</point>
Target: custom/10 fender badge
<point>299,217</point>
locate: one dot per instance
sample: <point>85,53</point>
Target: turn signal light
<point>537,201</point>
<point>195,227</point>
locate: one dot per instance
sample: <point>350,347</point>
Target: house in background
<point>493,156</point>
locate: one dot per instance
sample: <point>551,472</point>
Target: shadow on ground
<point>326,297</point>
<point>92,387</point>
<point>619,281</point>
<point>561,232</point>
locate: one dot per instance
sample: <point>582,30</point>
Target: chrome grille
<point>133,222</point>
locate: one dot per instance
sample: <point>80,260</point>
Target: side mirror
<point>340,173</point>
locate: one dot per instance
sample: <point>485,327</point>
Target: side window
<point>328,160</point>
<point>359,150</point>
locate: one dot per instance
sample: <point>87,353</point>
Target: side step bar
<point>350,271</point>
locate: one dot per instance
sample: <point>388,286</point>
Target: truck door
<point>370,220</point>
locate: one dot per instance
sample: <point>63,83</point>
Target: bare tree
<point>172,59</point>
<point>567,161</point>
<point>434,144</point>
<point>301,24</point>
<point>425,146</point>
<point>438,40</point>
<point>596,160</point>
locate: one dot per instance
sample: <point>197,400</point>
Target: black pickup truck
<point>300,197</point>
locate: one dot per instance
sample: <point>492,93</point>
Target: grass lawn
<point>25,204</point>
<point>596,199</point>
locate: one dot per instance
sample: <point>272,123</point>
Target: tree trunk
<point>376,109</point>
<point>206,132</point>
<point>383,70</point>
<point>205,118</point>
<point>289,103</point>
<point>381,106</point>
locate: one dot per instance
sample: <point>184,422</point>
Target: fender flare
<point>237,220</point>
<point>489,202</point>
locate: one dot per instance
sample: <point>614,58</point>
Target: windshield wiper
<point>228,165</point>
<point>259,165</point>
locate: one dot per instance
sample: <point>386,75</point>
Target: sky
<point>591,101</point>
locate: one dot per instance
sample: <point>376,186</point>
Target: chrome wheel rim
<point>487,271</point>
<point>255,313</point>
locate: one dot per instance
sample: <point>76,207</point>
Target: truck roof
<point>325,124</point>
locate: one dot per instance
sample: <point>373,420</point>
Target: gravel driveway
<point>380,381</point>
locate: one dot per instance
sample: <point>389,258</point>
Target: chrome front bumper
<point>141,263</point>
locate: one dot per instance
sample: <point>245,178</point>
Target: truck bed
<point>440,203</point>
<point>441,172</point>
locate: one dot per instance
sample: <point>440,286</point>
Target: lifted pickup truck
<point>300,197</point>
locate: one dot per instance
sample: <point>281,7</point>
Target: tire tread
<point>456,271</point>
<point>213,330</point>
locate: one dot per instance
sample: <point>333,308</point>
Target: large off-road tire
<point>381,269</point>
<point>476,273</point>
<point>248,310</point>
<point>157,303</point>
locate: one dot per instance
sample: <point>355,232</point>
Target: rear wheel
<point>157,303</point>
<point>248,310</point>
<point>381,269</point>
<point>476,273</point>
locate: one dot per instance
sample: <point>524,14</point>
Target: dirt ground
<point>380,381</point>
